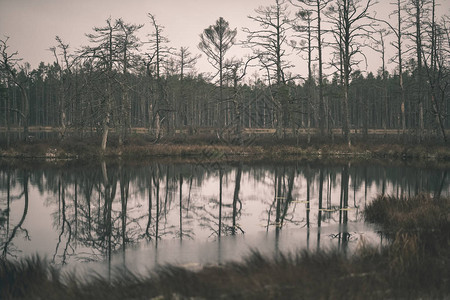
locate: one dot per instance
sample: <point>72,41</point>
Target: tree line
<point>119,81</point>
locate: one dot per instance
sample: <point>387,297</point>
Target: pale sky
<point>32,25</point>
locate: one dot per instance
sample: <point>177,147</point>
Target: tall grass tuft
<point>418,227</point>
<point>421,212</point>
<point>27,277</point>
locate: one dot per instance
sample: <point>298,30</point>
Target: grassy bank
<point>209,147</point>
<point>415,265</point>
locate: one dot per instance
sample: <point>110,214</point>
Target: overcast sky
<point>32,25</point>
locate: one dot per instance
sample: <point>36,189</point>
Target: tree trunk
<point>323,116</point>
<point>419,69</point>
<point>105,126</point>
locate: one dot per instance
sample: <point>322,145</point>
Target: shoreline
<point>215,151</point>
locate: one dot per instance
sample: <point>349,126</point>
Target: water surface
<point>149,213</point>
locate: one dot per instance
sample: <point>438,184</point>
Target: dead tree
<point>64,62</point>
<point>128,44</point>
<point>398,31</point>
<point>270,43</point>
<point>104,55</point>
<point>318,6</point>
<point>436,59</point>
<point>158,54</point>
<point>352,21</point>
<point>9,65</point>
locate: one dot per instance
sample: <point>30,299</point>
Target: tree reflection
<point>64,224</point>
<point>104,229</point>
<point>184,209</point>
<point>215,216</point>
<point>4,212</point>
<point>283,199</point>
<point>343,210</point>
<point>7,247</point>
<point>236,201</point>
<point>100,209</point>
<point>150,203</point>
<point>124,193</point>
<point>319,218</point>
<point>308,202</point>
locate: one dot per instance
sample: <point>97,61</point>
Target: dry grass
<point>419,213</point>
<point>211,147</point>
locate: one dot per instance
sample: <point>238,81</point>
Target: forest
<point>120,83</point>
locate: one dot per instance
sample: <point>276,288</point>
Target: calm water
<point>142,215</point>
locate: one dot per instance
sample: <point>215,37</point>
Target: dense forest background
<point>120,82</point>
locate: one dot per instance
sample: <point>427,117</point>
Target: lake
<point>103,215</point>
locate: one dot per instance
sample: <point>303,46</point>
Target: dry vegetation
<point>209,147</point>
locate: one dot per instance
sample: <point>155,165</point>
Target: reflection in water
<point>105,211</point>
<point>8,237</point>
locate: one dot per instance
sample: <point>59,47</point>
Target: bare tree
<point>64,62</point>
<point>159,54</point>
<point>128,44</point>
<point>104,55</point>
<point>352,21</point>
<point>398,31</point>
<point>381,42</point>
<point>417,11</point>
<point>318,6</point>
<point>398,46</point>
<point>436,67</point>
<point>9,63</point>
<point>269,43</point>
<point>158,46</point>
<point>236,71</point>
<point>304,33</point>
